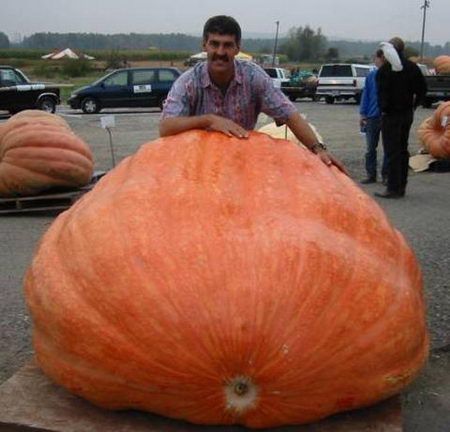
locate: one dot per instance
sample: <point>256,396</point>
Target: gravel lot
<point>422,216</point>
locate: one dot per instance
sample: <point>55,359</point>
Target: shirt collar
<point>205,80</point>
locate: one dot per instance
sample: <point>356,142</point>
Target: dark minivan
<point>126,88</point>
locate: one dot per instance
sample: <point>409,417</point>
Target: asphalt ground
<point>422,216</point>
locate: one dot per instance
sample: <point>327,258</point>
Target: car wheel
<point>47,104</point>
<point>292,98</point>
<point>161,102</point>
<point>329,99</point>
<point>90,106</point>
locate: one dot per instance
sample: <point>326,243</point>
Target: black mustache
<point>220,57</point>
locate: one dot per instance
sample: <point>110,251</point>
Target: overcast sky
<point>374,20</point>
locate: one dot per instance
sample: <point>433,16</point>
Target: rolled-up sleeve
<point>274,102</point>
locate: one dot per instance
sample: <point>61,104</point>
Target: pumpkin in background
<point>223,280</point>
<point>39,151</point>
<point>434,132</point>
<point>442,64</point>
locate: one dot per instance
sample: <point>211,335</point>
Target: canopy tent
<point>66,53</point>
<point>244,56</point>
<point>202,56</point>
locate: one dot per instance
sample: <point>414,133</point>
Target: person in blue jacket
<point>370,122</point>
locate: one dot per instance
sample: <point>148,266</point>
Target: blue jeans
<point>373,131</point>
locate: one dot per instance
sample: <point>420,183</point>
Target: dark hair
<point>223,25</point>
<point>379,53</point>
<point>398,43</point>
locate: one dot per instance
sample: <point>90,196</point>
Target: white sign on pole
<point>108,121</point>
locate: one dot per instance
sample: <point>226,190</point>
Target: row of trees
<point>300,44</point>
<point>4,40</point>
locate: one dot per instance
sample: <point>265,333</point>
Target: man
<point>399,92</point>
<point>226,95</point>
<point>370,121</point>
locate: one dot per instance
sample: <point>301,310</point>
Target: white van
<point>339,81</point>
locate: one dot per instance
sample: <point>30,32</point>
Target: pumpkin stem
<point>240,394</point>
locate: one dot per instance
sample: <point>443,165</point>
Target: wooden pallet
<point>30,402</point>
<point>55,200</point>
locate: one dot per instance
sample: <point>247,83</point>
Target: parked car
<point>126,88</point>
<point>278,75</point>
<point>300,85</point>
<point>341,81</point>
<point>17,92</point>
<point>438,89</point>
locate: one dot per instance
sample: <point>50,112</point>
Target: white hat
<point>391,55</point>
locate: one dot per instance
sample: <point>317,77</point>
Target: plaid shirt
<point>250,92</point>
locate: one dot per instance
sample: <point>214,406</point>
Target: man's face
<point>221,50</point>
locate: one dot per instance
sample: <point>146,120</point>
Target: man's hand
<point>306,135</point>
<point>329,160</point>
<point>174,125</point>
<point>362,121</point>
<point>226,126</point>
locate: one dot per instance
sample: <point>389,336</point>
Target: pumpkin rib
<point>433,135</point>
<point>121,227</point>
<point>325,339</point>
<point>12,179</point>
<point>14,130</point>
<point>36,160</point>
<point>64,263</point>
<point>56,139</point>
<point>72,351</point>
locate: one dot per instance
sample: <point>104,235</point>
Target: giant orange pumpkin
<point>39,151</point>
<point>226,281</point>
<point>434,132</point>
<point>442,64</point>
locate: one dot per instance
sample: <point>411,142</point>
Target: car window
<point>271,72</point>
<point>143,77</point>
<point>336,71</point>
<point>9,77</point>
<point>424,69</point>
<point>167,75</point>
<point>117,79</point>
<point>362,72</point>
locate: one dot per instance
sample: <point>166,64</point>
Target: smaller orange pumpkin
<point>38,151</point>
<point>442,64</point>
<point>434,132</point>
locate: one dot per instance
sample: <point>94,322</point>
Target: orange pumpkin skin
<point>226,281</point>
<point>442,64</point>
<point>39,151</point>
<point>434,132</point>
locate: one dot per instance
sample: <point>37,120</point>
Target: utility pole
<point>425,6</point>
<point>276,43</point>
